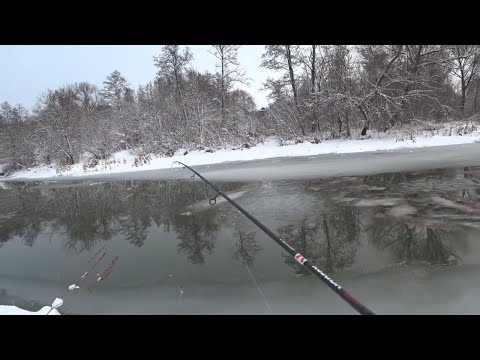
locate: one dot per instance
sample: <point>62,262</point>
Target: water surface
<point>403,243</point>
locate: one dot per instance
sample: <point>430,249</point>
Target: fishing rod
<point>352,301</point>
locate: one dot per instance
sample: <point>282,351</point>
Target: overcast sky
<point>28,70</point>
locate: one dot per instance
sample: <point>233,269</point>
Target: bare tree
<point>476,98</point>
<point>465,63</point>
<point>17,143</point>
<point>172,63</point>
<point>98,128</point>
<point>57,117</point>
<point>230,71</point>
<point>115,89</point>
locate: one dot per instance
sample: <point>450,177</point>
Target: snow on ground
<point>46,310</point>
<point>3,185</point>
<point>124,161</point>
<point>13,310</point>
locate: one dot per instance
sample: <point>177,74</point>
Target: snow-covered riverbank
<point>13,310</point>
<point>127,162</point>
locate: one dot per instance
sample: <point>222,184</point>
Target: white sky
<point>28,70</point>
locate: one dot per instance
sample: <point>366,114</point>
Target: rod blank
<point>350,299</point>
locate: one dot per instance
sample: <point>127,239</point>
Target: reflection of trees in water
<point>246,247</point>
<point>388,179</point>
<point>330,243</point>
<point>80,215</point>
<point>471,188</point>
<point>134,229</point>
<point>417,238</point>
<point>412,242</point>
<point>136,218</point>
<point>457,184</point>
<point>196,236</point>
<point>18,216</point>
<point>385,180</point>
<point>84,214</point>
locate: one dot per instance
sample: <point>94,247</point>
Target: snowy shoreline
<point>46,310</point>
<point>13,310</point>
<point>124,161</point>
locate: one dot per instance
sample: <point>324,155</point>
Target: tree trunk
<point>408,86</point>
<point>364,130</point>
<point>292,76</point>
<point>180,96</point>
<point>70,160</point>
<point>476,96</point>
<point>366,125</point>
<point>294,87</point>
<point>347,124</point>
<point>340,122</point>
<point>223,88</point>
<point>313,68</point>
<point>464,91</point>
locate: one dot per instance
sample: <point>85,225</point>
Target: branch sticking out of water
<point>98,252</point>
<point>103,275</point>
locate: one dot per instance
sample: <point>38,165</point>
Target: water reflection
<point>84,214</point>
<point>423,225</point>
<point>413,243</point>
<point>246,247</point>
<point>417,217</point>
<point>196,236</point>
<point>330,243</point>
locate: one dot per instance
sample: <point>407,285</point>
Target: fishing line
<point>259,290</point>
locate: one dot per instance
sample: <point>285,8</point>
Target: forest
<point>319,92</point>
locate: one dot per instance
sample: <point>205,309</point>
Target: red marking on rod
<point>300,258</point>
<point>351,298</point>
